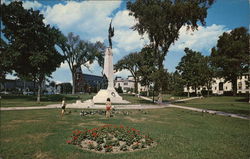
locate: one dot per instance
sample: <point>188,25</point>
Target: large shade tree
<point>192,67</point>
<point>161,20</point>
<point>130,63</point>
<point>147,67</point>
<point>80,53</point>
<point>31,43</point>
<point>231,55</point>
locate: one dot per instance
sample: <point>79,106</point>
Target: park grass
<point>133,99</point>
<point>180,134</point>
<point>25,100</point>
<point>229,104</point>
<point>169,97</point>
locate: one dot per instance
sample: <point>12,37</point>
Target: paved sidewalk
<point>138,106</point>
<point>97,106</point>
<point>209,111</point>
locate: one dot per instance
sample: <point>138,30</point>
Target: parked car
<point>4,92</point>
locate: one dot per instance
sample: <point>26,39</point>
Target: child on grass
<point>108,108</point>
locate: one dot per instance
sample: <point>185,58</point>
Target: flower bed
<point>111,139</point>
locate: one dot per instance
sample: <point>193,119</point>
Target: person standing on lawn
<point>63,107</point>
<point>108,108</point>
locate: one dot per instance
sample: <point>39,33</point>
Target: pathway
<point>169,104</point>
<point>138,106</point>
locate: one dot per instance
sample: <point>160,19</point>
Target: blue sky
<point>90,20</point>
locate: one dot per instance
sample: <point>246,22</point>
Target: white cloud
<point>126,38</point>
<point>64,66</point>
<point>115,51</point>
<point>202,39</point>
<point>5,2</point>
<point>123,73</point>
<point>31,4</point>
<point>89,19</point>
<point>94,68</point>
<point>122,19</point>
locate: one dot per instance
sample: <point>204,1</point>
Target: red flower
<point>75,137</point>
<point>94,134</point>
<point>68,141</point>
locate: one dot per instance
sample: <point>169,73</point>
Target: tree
<point>147,67</point>
<point>130,62</point>
<point>231,55</point>
<point>191,68</point>
<point>31,43</point>
<point>66,88</point>
<point>162,20</point>
<point>79,52</point>
<point>208,73</point>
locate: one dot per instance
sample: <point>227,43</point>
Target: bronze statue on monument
<point>111,34</point>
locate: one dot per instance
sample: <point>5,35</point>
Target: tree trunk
<point>188,91</point>
<point>39,92</point>
<point>208,89</point>
<point>234,84</point>
<point>136,85</point>
<point>73,82</point>
<point>147,91</point>
<point>160,96</point>
<point>195,88</point>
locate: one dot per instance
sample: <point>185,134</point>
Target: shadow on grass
<point>243,99</point>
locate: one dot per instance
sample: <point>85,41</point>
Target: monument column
<point>108,67</point>
<point>108,71</point>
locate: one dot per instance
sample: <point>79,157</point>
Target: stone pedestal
<point>103,94</point>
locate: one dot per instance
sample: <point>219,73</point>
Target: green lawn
<point>134,99</point>
<point>169,97</point>
<point>180,134</point>
<point>237,105</point>
<point>24,100</point>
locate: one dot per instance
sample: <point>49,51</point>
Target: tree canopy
<point>161,20</point>
<point>230,57</point>
<point>80,53</point>
<point>131,63</point>
<point>31,43</point>
<point>193,68</point>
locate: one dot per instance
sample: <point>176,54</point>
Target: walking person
<point>63,107</point>
<point>108,108</point>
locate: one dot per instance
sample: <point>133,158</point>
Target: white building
<point>219,86</point>
<point>128,84</point>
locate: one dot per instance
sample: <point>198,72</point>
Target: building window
<point>226,88</point>
<point>240,85</point>
<point>247,84</point>
<point>215,88</point>
<point>221,86</point>
<point>119,85</point>
<point>125,83</point>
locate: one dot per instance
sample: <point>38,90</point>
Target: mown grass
<point>179,134</point>
<point>133,99</point>
<point>25,100</point>
<point>237,105</point>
